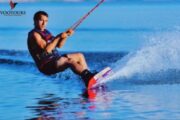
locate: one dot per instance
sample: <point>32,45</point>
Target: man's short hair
<point>38,14</point>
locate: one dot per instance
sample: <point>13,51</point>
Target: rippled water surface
<point>27,94</point>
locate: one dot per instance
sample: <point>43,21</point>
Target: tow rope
<point>76,24</point>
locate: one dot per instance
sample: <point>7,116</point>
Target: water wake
<point>158,59</point>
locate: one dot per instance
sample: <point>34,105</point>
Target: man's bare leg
<point>79,58</point>
<point>64,63</point>
<point>77,64</point>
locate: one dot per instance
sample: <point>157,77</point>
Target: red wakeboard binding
<point>97,77</point>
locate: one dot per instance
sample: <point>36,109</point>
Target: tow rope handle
<point>76,24</point>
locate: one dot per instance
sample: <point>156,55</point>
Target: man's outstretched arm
<point>63,37</point>
<point>43,44</point>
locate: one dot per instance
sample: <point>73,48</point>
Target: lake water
<point>139,40</point>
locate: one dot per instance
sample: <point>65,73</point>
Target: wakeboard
<point>103,74</point>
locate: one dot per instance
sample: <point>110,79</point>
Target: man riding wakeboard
<point>42,47</point>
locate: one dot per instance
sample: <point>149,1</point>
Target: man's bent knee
<point>70,61</point>
<point>80,55</point>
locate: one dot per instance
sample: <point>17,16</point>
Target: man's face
<point>42,22</point>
